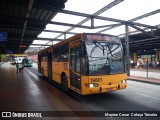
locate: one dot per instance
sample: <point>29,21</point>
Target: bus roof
<point>80,35</point>
<point>62,42</point>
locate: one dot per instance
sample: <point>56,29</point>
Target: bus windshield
<point>104,57</point>
<point>29,60</point>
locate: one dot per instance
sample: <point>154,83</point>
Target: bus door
<point>75,65</point>
<point>49,61</point>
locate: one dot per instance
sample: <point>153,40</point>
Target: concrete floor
<point>25,92</point>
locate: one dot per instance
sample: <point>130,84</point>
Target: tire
<point>64,83</point>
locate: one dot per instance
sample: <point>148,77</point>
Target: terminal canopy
<point>39,23</point>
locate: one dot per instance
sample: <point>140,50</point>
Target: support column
<point>92,22</point>
<point>158,55</point>
<point>64,36</point>
<point>134,57</point>
<point>127,50</point>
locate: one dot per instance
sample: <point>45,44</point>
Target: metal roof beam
<point>85,20</point>
<point>33,38</point>
<point>80,26</point>
<point>112,19</point>
<point>132,32</point>
<point>153,44</point>
<point>150,39</point>
<point>55,31</point>
<point>17,42</point>
<point>49,39</point>
<point>145,15</point>
<point>34,29</point>
<point>137,30</point>
<point>146,46</point>
<point>146,42</point>
<point>45,21</point>
<point>39,45</point>
<point>111,25</point>
<point>143,31</point>
<point>112,4</point>
<point>143,25</point>
<point>95,14</point>
<point>29,9</point>
<point>16,26</point>
<point>58,23</point>
<point>134,19</point>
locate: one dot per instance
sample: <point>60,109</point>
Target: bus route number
<point>96,80</point>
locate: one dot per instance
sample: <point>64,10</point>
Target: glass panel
<point>72,56</point>
<point>57,54</point>
<point>75,58</point>
<point>64,53</point>
<point>78,59</point>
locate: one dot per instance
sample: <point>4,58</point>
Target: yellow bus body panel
<point>57,69</point>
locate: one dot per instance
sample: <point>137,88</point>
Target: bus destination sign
<point>101,37</point>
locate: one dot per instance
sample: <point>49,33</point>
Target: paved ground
<point>25,91</point>
<point>139,96</point>
<point>28,92</point>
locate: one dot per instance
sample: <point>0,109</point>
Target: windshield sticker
<point>112,67</point>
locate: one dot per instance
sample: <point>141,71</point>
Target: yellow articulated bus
<point>87,63</point>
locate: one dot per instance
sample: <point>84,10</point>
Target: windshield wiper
<point>99,46</point>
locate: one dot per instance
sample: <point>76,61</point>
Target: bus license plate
<point>109,89</point>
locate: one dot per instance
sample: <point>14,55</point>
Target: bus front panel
<point>103,84</point>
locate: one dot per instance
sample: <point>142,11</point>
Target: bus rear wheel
<point>64,83</point>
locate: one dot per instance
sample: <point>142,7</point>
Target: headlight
<point>90,85</point>
<point>123,81</point>
<point>93,85</point>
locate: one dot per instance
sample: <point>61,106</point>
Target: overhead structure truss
<point>31,25</point>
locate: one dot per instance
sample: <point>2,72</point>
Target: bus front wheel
<point>64,83</point>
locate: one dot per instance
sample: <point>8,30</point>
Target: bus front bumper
<point>106,88</point>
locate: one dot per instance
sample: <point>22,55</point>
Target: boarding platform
<point>26,92</point>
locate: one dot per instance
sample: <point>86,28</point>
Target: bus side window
<point>57,54</point>
<point>64,53</point>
